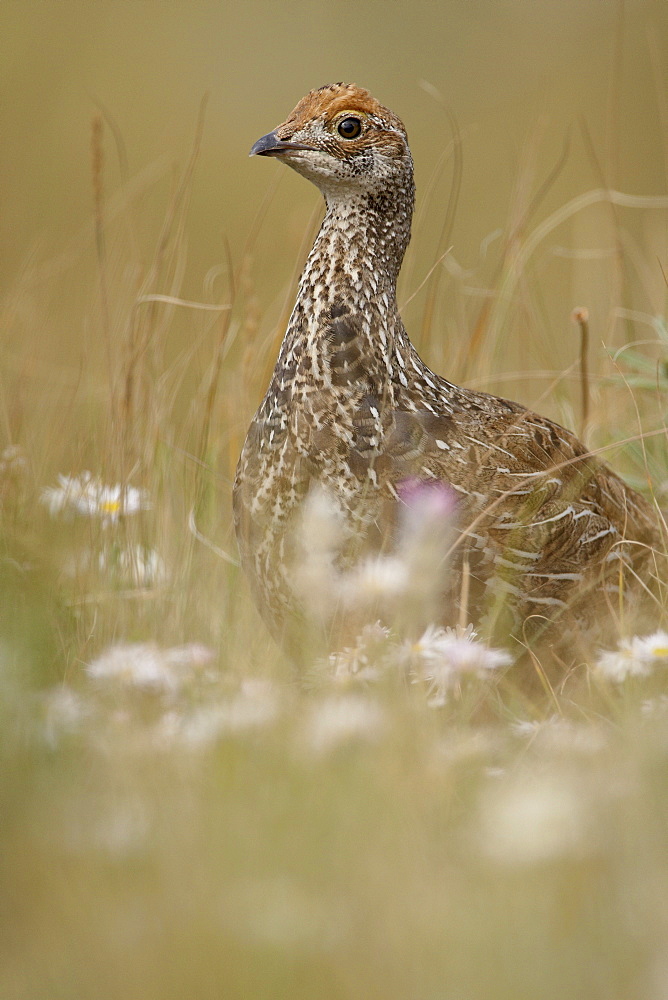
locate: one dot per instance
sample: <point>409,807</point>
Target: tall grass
<point>181,817</point>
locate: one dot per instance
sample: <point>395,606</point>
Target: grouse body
<point>351,407</point>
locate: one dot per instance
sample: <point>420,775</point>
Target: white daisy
<point>255,706</point>
<point>87,496</point>
<point>145,666</point>
<point>319,537</point>
<point>444,656</point>
<point>65,711</point>
<point>365,659</point>
<point>655,646</point>
<point>340,720</point>
<point>379,578</point>
<point>13,461</point>
<point>535,819</point>
<point>635,657</point>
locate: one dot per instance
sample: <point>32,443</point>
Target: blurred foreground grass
<point>338,846</point>
<point>180,816</point>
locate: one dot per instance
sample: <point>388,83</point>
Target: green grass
<point>239,834</point>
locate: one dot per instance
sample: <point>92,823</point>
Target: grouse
<point>543,526</point>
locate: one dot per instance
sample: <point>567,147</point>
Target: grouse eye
<point>350,128</point>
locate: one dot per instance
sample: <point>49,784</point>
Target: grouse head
<point>342,140</point>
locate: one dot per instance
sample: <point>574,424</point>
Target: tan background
<point>500,66</point>
<point>520,76</point>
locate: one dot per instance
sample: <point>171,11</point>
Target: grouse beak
<point>271,145</point>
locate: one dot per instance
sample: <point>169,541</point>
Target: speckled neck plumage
<point>352,270</point>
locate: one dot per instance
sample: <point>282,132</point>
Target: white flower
<point>87,496</point>
<point>443,656</point>
<point>342,719</point>
<point>253,707</point>
<point>145,666</point>
<point>13,461</point>
<point>65,712</point>
<point>635,657</point>
<point>365,658</point>
<point>622,663</point>
<point>377,578</point>
<point>319,537</point>
<point>535,819</point>
<point>655,646</point>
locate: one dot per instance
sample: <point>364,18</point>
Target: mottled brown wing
<point>540,517</point>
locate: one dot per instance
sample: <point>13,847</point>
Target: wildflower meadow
<point>418,813</point>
